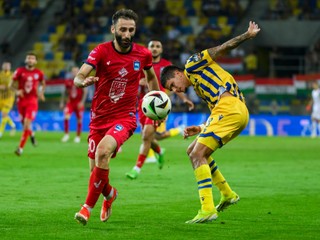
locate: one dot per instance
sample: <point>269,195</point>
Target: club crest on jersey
<point>118,127</point>
<point>136,65</point>
<point>196,57</point>
<point>36,76</point>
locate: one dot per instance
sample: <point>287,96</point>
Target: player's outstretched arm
<point>222,49</point>
<point>185,100</point>
<point>152,79</point>
<point>82,78</point>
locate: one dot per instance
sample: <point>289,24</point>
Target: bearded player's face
<point>124,31</point>
<point>31,60</point>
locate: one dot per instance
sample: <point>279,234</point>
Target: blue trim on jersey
<point>214,169</point>
<point>207,89</point>
<point>213,72</point>
<point>228,86</point>
<point>211,134</point>
<point>210,80</point>
<point>206,186</point>
<point>212,163</point>
<point>204,181</point>
<point>198,65</point>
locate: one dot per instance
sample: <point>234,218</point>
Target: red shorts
<point>73,107</point>
<point>120,130</point>
<point>145,120</point>
<point>27,110</point>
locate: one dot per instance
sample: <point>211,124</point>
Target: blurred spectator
<point>251,62</point>
<point>7,7</point>
<point>5,48</point>
<point>312,58</point>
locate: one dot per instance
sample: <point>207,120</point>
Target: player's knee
<point>103,154</point>
<point>190,148</point>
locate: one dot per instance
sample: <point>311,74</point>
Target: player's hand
<point>253,29</point>
<point>80,105</point>
<point>190,104</point>
<point>308,108</point>
<point>191,131</point>
<point>19,93</point>
<point>143,82</point>
<point>89,81</point>
<point>61,105</point>
<point>42,97</point>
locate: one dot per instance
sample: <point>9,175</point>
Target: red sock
<point>157,149</point>
<point>66,126</point>
<point>98,179</point>
<point>106,190</point>
<point>79,128</point>
<point>26,133</point>
<point>140,161</point>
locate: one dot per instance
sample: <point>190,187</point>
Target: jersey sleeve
<point>16,74</point>
<point>42,78</point>
<point>198,62</point>
<point>94,57</point>
<point>148,64</point>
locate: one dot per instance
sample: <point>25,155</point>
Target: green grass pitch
<point>277,179</point>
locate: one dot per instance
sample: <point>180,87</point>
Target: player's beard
<point>122,43</point>
<point>155,56</point>
<point>29,65</point>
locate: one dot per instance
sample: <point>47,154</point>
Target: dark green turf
<point>276,178</point>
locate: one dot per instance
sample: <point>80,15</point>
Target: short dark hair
<point>126,14</point>
<point>167,73</point>
<point>31,54</point>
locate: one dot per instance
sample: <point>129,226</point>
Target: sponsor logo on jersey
<point>136,65</point>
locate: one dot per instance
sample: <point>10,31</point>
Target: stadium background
<point>274,70</point>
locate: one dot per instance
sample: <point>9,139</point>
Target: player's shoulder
<point>105,45</point>
<point>19,69</point>
<point>164,61</point>
<point>140,48</point>
<point>39,71</point>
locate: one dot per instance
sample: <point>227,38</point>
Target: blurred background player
<point>6,98</point>
<point>315,105</point>
<point>149,126</point>
<point>26,81</point>
<point>76,98</point>
<point>118,65</point>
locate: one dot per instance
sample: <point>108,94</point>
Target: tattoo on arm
<point>227,46</point>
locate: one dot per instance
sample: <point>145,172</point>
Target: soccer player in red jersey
<point>118,66</point>
<point>76,98</point>
<point>26,81</point>
<point>148,126</point>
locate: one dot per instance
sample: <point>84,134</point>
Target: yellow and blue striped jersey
<point>209,79</point>
<point>5,80</point>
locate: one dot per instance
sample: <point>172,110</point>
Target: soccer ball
<point>156,105</point>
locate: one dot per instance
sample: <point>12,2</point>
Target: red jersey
<point>119,74</point>
<point>28,81</point>
<point>74,93</point>
<point>157,66</point>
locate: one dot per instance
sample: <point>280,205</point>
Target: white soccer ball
<point>156,105</point>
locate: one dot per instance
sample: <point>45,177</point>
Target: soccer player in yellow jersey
<point>229,116</point>
<point>6,97</point>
